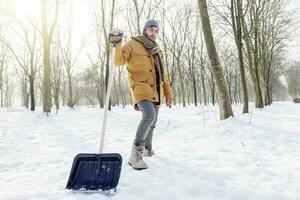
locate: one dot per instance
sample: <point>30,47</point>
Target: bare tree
<point>293,79</point>
<point>139,12</point>
<point>224,101</point>
<point>274,30</point>
<point>191,52</point>
<point>57,74</point>
<point>8,88</point>
<point>3,62</point>
<point>96,71</point>
<point>236,18</point>
<point>29,59</point>
<point>68,59</point>
<point>28,63</point>
<point>47,39</point>
<point>105,34</point>
<point>250,30</point>
<point>202,62</point>
<point>176,45</point>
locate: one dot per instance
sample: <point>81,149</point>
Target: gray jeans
<point>146,127</point>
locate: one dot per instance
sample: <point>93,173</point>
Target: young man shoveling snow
<point>148,80</point>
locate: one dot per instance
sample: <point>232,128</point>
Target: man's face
<point>152,33</point>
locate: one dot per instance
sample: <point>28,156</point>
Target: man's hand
<point>115,36</point>
<point>169,102</point>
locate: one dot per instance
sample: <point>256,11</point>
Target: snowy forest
<point>230,131</point>
<point>45,62</point>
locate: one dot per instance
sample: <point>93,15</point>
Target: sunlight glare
<point>26,8</point>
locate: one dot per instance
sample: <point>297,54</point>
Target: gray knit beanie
<point>150,23</point>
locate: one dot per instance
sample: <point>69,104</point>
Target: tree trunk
<point>56,99</point>
<point>46,36</point>
<point>212,89</point>
<point>70,91</point>
<point>251,66</point>
<point>181,83</point>
<point>32,98</point>
<point>194,89</point>
<point>256,66</point>
<point>121,89</point>
<point>1,80</point>
<point>236,15</point>
<point>223,97</point>
<point>203,84</point>
<point>137,16</point>
<point>2,97</point>
<point>107,43</point>
<point>57,82</point>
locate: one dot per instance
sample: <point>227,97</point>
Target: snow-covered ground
<point>248,157</point>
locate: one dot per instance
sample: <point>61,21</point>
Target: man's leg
<point>148,117</point>
<point>148,144</point>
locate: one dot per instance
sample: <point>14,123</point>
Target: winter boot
<point>136,160</point>
<point>148,153</point>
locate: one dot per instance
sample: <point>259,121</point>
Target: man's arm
<point>123,54</point>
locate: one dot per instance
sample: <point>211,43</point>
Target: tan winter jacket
<point>141,72</point>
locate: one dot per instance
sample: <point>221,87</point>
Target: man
<point>148,83</point>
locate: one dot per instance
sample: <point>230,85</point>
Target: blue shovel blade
<point>95,172</point>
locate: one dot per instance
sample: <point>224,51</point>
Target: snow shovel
<point>97,171</point>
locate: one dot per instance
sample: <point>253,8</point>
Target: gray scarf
<point>153,49</point>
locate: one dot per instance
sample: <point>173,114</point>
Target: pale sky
<point>295,44</point>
